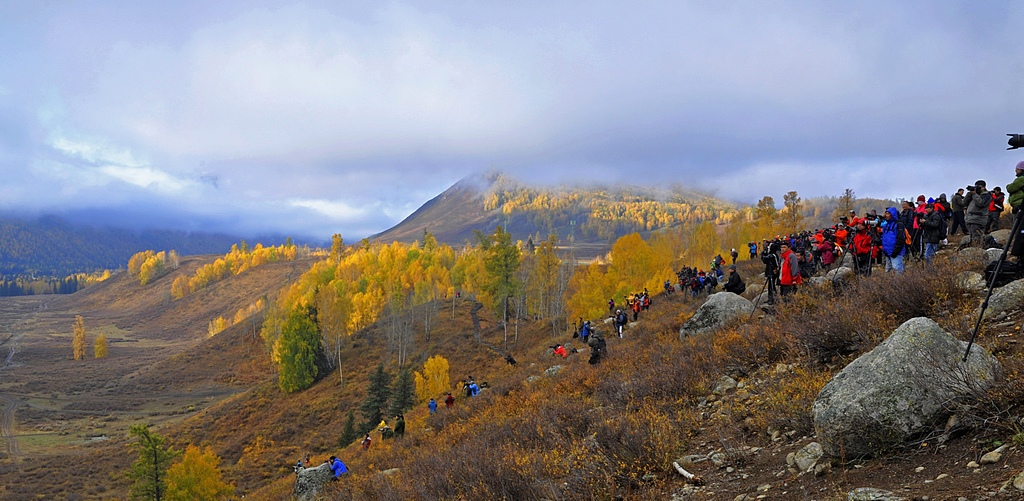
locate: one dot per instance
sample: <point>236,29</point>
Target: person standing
<point>432,405</point>
<point>449,401</point>
<point>620,321</point>
<point>789,274</point>
<point>894,241</point>
<point>862,250</point>
<point>957,207</point>
<point>1016,191</point>
<point>977,201</point>
<point>932,225</point>
<point>995,209</point>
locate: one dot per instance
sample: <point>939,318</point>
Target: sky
<point>312,118</point>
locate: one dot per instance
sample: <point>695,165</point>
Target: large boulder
<point>719,309</point>
<point>840,273</point>
<point>972,255</point>
<point>900,389</point>
<point>310,481</point>
<point>1005,299</point>
<point>1000,236</point>
<point>992,255</point>
<point>970,280</point>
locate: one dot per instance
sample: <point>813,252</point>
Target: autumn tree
<point>377,396</point>
<point>297,350</point>
<point>99,347</point>
<point>434,380</point>
<point>844,205</point>
<point>767,215</point>
<point>403,393</point>
<point>197,476</point>
<point>791,217</point>
<point>149,470</point>
<point>78,338</point>
<point>337,247</point>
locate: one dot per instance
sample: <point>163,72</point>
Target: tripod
<point>992,282</point>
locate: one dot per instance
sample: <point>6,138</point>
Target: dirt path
<point>7,425</point>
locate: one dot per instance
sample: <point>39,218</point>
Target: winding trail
<point>7,425</point>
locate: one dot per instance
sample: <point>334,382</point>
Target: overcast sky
<point>313,118</point>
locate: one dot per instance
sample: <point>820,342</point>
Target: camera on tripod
<point>1016,141</point>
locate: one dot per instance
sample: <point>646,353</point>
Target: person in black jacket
<point>735,283</point>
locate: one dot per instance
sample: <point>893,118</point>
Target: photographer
<point>957,207</point>
<point>931,225</point>
<point>1016,191</point>
<point>977,200</point>
<point>862,242</point>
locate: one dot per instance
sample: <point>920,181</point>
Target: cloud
<point>324,117</point>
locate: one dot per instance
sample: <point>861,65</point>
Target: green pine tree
<point>349,433</point>
<point>377,396</point>
<point>403,395</point>
<point>149,471</point>
<point>298,349</point>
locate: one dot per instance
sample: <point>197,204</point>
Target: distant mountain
<point>593,215</point>
<point>52,246</point>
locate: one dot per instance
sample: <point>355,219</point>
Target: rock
<point>310,481</point>
<point>718,459</point>
<point>970,280</point>
<point>817,281</point>
<point>972,255</point>
<point>1005,299</point>
<point>753,290</point>
<point>781,368</point>
<point>973,464</point>
<point>609,320</point>
<point>822,469</point>
<point>1018,481</point>
<point>390,472</point>
<point>742,395</point>
<point>791,459</point>
<point>872,494</point>
<point>991,457</point>
<point>807,457</point>
<point>942,476</point>
<point>553,370</point>
<point>724,385</point>
<point>1000,236</point>
<point>718,310</point>
<point>901,388</point>
<point>992,255</point>
<point>839,274</point>
<point>919,469</point>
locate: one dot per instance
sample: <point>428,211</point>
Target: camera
<point>1016,141</point>
<point>871,222</point>
<point>970,188</point>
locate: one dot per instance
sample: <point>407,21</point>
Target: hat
<point>732,267</point>
<point>931,200</point>
<point>1020,165</point>
<point>920,198</point>
<point>980,182</point>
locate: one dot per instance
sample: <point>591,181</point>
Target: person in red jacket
<point>862,249</point>
<point>789,276</point>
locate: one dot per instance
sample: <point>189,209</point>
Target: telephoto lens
<point>1016,141</point>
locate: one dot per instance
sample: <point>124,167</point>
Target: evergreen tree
<point>349,433</point>
<point>377,397</point>
<point>297,349</point>
<point>149,470</point>
<point>502,261</point>
<point>403,395</point>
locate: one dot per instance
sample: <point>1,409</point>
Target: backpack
<point>1008,272</point>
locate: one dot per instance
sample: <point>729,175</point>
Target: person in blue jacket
<point>338,467</point>
<point>894,241</point>
<point>432,405</point>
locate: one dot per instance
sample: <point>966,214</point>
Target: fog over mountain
<point>311,118</point>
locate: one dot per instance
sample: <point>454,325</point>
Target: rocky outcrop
<point>970,280</point>
<point>310,481</point>
<point>902,388</point>
<point>1005,299</point>
<point>719,309</point>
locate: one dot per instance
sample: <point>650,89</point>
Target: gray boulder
<point>903,387</point>
<point>841,273</point>
<point>872,494</point>
<point>992,255</point>
<point>718,310</point>
<point>1001,236</point>
<point>972,255</point>
<point>970,280</point>
<point>754,290</point>
<point>311,481</point>
<point>1005,299</point>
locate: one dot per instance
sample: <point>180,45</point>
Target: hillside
<point>51,246</point>
<point>613,420</point>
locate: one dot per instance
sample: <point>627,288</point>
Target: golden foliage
<point>99,347</point>
<point>434,380</point>
<point>78,338</point>
<point>197,477</point>
<point>240,259</point>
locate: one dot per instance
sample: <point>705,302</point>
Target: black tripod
<point>995,273</point>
